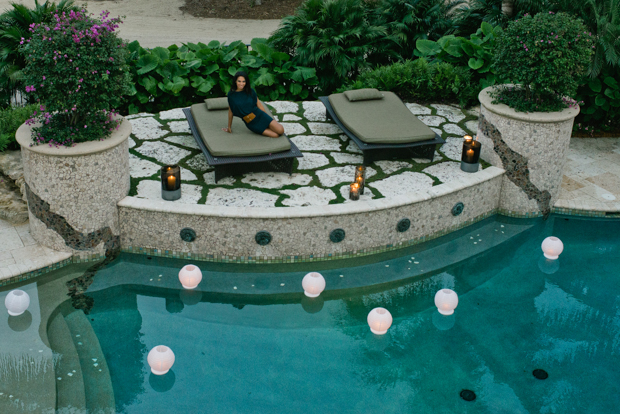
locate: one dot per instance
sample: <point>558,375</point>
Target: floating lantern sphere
<point>552,247</point>
<point>16,302</point>
<point>160,359</point>
<point>313,284</point>
<point>190,276</point>
<point>379,320</point>
<point>446,301</point>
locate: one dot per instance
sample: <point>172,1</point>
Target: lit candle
<point>354,191</point>
<point>470,155</point>
<point>360,181</point>
<point>468,139</point>
<point>171,182</point>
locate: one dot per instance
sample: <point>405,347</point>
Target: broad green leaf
<point>133,109</point>
<point>487,29</point>
<point>609,93</point>
<point>228,56</point>
<point>256,41</point>
<point>214,44</point>
<point>207,85</point>
<point>143,98</point>
<point>197,81</point>
<point>427,47</point>
<point>600,100</point>
<point>202,46</point>
<point>295,89</point>
<point>193,46</point>
<point>149,83</point>
<point>611,82</point>
<point>304,94</point>
<point>264,51</point>
<point>302,73</point>
<point>452,47</point>
<point>133,46</point>
<point>209,69</point>
<point>265,78</point>
<point>232,70</point>
<point>187,56</point>
<point>273,95</point>
<point>475,63</point>
<point>279,57</point>
<point>193,64</point>
<point>595,85</point>
<point>161,53</point>
<point>147,63</point>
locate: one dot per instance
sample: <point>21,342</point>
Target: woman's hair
<point>247,89</point>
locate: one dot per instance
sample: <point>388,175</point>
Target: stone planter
<point>531,147</point>
<point>72,192</point>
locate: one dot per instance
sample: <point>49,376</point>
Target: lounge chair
<point>381,125</point>
<point>240,152</point>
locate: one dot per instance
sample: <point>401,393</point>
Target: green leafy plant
<point>545,56</point>
<point>475,52</point>
<point>601,97</point>
<point>10,120</point>
<point>14,26</point>
<point>421,81</point>
<point>333,36</point>
<point>172,77</point>
<point>77,67</point>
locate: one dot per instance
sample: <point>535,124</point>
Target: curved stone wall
<point>73,192</point>
<point>306,233</point>
<point>531,147</point>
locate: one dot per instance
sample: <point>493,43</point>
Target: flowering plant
<point>546,56</point>
<point>76,70</point>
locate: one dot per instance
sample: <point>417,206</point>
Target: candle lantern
<point>354,191</point>
<point>170,182</point>
<point>470,157</point>
<point>360,177</point>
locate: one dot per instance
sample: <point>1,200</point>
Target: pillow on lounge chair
<point>363,95</point>
<point>214,104</point>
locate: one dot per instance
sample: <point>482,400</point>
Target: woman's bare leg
<point>275,130</point>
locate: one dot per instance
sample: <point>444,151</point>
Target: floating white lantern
<point>16,302</point>
<point>379,320</point>
<point>313,284</point>
<point>190,276</point>
<point>160,359</point>
<point>446,301</point>
<point>552,247</point>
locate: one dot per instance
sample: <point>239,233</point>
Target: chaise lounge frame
<point>375,152</point>
<point>231,166</point>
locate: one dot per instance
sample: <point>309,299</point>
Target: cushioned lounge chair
<point>381,125</point>
<point>240,152</point>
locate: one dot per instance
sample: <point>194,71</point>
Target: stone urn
<point>72,192</point>
<point>531,147</point>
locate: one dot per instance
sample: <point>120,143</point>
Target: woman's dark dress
<point>242,104</point>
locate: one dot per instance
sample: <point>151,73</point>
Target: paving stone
<point>432,120</point>
<point>314,111</point>
<point>453,148</point>
<point>209,179</point>
<point>344,158</point>
<point>352,147</point>
<point>187,175</point>
<point>454,129</point>
<point>141,168</point>
<point>389,167</point>
<point>184,140</point>
<point>275,179</point>
<point>162,152</point>
<point>284,106</point>
<point>437,131</point>
<point>199,163</point>
<point>176,113</point>
<point>446,171</point>
<point>436,157</point>
<point>308,196</point>
<point>343,137</point>
<point>131,142</point>
<point>475,111</point>
<point>344,191</point>
<point>418,109</point>
<point>190,193</point>
<point>179,127</point>
<point>324,129</point>
<point>316,143</point>
<point>451,113</point>
<point>337,175</point>
<point>289,117</point>
<point>311,161</point>
<point>293,128</point>
<point>407,182</point>
<point>240,197</point>
<point>140,115</point>
<point>147,128</point>
<point>472,126</point>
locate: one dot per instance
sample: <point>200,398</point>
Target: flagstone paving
<point>321,177</point>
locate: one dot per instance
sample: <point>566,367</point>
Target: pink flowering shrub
<point>547,57</point>
<point>76,70</point>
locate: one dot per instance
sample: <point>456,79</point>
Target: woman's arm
<point>230,119</point>
<point>260,105</point>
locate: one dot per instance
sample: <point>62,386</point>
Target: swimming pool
<point>248,341</point>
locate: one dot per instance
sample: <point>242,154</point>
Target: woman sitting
<point>244,103</point>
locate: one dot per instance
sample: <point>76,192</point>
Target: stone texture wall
<point>73,193</point>
<point>154,227</point>
<point>531,147</point>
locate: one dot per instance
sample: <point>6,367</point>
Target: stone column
<point>531,147</point>
<point>72,192</point>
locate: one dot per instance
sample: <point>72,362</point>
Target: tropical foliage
<point>10,120</point>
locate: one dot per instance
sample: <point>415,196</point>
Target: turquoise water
<point>249,341</point>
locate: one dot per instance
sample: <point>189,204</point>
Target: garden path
<point>161,23</point>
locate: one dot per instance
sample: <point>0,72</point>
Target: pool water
<point>248,341</point>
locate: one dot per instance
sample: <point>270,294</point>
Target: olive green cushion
<point>363,94</point>
<point>241,143</point>
<point>214,104</point>
<point>380,121</point>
